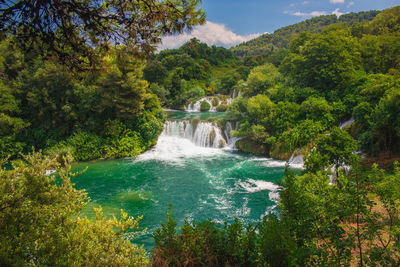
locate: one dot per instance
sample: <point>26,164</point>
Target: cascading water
<point>230,139</point>
<point>195,107</point>
<point>346,123</point>
<point>188,168</point>
<point>204,134</point>
<point>234,95</point>
<point>296,161</point>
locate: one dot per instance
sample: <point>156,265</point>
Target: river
<point>198,177</point>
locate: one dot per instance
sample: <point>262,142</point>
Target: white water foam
<point>205,134</point>
<point>176,149</point>
<point>296,162</point>
<point>253,186</point>
<point>230,139</point>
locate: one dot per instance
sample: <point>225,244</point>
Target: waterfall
<point>234,95</point>
<point>296,161</point>
<point>195,107</point>
<point>346,123</point>
<point>227,131</point>
<point>204,134</point>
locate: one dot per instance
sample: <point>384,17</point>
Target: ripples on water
<point>200,182</point>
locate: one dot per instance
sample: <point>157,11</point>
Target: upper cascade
<point>234,95</point>
<point>204,134</point>
<point>195,107</point>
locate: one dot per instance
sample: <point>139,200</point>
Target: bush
<point>86,146</point>
<point>204,244</point>
<point>301,135</point>
<point>215,101</point>
<point>204,106</point>
<point>129,144</point>
<point>149,127</point>
<point>222,108</point>
<point>40,223</point>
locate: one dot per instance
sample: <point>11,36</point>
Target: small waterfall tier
<point>346,123</point>
<point>227,131</point>
<point>195,107</point>
<point>204,134</point>
<point>234,95</point>
<point>296,161</point>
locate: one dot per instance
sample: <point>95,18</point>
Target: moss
<point>204,106</point>
<point>250,146</point>
<point>215,101</point>
<point>278,153</point>
<point>212,136</point>
<point>195,122</point>
<point>222,108</point>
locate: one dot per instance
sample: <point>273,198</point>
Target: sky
<point>230,22</point>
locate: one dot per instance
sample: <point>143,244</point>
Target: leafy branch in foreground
<point>40,223</point>
<point>319,224</point>
<point>74,29</point>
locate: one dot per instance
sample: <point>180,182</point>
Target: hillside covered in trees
<point>272,44</point>
<point>193,71</point>
<point>324,79</point>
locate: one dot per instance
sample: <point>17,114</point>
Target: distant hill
<point>268,43</point>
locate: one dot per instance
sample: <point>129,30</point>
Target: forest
<point>66,99</point>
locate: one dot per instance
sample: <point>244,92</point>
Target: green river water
<point>200,182</point>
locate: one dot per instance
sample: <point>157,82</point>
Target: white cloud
<point>336,1</point>
<point>305,14</point>
<point>210,33</point>
<point>337,12</point>
<point>350,4</point>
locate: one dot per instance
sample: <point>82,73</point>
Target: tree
<point>335,148</point>
<point>327,61</point>
<point>10,124</point>
<point>155,72</point>
<point>318,109</point>
<point>40,223</point>
<point>74,30</point>
<point>262,78</point>
<point>123,90</point>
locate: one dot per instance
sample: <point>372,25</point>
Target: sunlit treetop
<point>77,30</point>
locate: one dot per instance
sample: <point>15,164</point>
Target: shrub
<point>86,146</point>
<point>204,244</point>
<point>149,127</point>
<point>301,135</point>
<point>205,106</point>
<point>40,223</point>
<point>215,101</point>
<point>129,144</point>
<point>222,108</point>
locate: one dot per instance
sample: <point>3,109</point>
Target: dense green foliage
<point>45,105</point>
<point>179,76</point>
<point>273,45</point>
<point>204,106</point>
<point>40,223</point>
<point>354,222</point>
<point>324,79</point>
<point>78,32</point>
